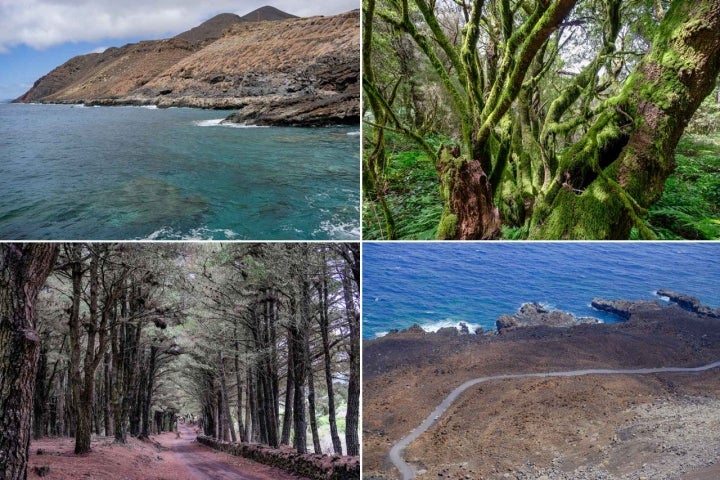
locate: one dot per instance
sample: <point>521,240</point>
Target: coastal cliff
<point>280,70</point>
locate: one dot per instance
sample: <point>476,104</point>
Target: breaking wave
<point>200,233</point>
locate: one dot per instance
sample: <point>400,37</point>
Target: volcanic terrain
<point>624,426</point>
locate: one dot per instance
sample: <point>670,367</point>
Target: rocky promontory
<point>279,71</point>
<point>535,314</point>
<point>691,304</point>
<point>624,309</point>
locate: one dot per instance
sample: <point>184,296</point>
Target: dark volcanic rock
<point>448,331</point>
<point>624,308</point>
<point>304,111</point>
<point>413,329</point>
<point>534,314</point>
<point>689,303</point>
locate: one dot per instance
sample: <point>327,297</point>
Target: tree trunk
<point>220,431</point>
<point>225,400</point>
<point>239,387</point>
<point>297,332</point>
<point>311,400</point>
<point>80,400</point>
<point>40,400</point>
<point>107,377</point>
<point>146,420</point>
<point>470,212</point>
<point>23,271</point>
<point>660,96</point>
<point>252,420</point>
<point>289,397</point>
<point>157,420</point>
<point>327,356</point>
<point>353,408</point>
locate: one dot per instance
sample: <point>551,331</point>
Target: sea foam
<point>217,122</point>
<point>200,233</point>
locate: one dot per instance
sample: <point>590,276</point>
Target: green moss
<point>590,216</point>
<point>448,226</point>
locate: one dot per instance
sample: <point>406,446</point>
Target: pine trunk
<point>327,355</point>
<point>23,271</point>
<point>353,408</point>
<point>311,401</point>
<point>289,396</point>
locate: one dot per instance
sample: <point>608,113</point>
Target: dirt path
<point>163,457</point>
<point>204,463</point>
<point>397,451</point>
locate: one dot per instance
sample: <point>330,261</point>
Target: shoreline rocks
<point>534,314</point>
<point>624,308</point>
<point>691,304</point>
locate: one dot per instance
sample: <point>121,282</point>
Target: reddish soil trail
<point>204,463</point>
<point>164,457</point>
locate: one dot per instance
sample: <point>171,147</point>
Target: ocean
<point>133,173</point>
<point>441,284</point>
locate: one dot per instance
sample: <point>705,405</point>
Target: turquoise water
<point>72,172</point>
<point>441,284</point>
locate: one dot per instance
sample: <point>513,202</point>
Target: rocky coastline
<point>535,314</point>
<point>278,72</point>
<point>615,427</point>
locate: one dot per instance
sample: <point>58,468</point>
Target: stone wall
<point>317,467</point>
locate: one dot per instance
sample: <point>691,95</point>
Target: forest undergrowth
<point>689,207</point>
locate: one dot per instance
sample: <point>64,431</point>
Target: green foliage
<point>690,205</point>
<point>515,233</point>
<point>412,193</point>
<point>707,117</point>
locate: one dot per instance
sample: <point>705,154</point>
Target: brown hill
<point>297,71</point>
<point>266,13</point>
<point>211,29</point>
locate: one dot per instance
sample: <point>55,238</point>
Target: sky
<point>39,35</point>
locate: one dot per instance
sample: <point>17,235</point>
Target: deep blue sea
<point>441,284</point>
<point>73,172</point>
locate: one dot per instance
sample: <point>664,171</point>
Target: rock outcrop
<point>691,304</point>
<point>295,72</point>
<point>624,308</point>
<point>534,314</point>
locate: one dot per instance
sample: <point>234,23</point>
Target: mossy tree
<point>568,111</point>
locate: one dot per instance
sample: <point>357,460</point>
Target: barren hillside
<point>662,426</point>
<point>291,71</point>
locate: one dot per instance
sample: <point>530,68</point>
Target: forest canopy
<point>534,119</point>
<point>253,342</point>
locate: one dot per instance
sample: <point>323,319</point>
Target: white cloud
<point>45,23</point>
<point>98,50</point>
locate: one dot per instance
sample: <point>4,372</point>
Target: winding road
<point>407,472</point>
